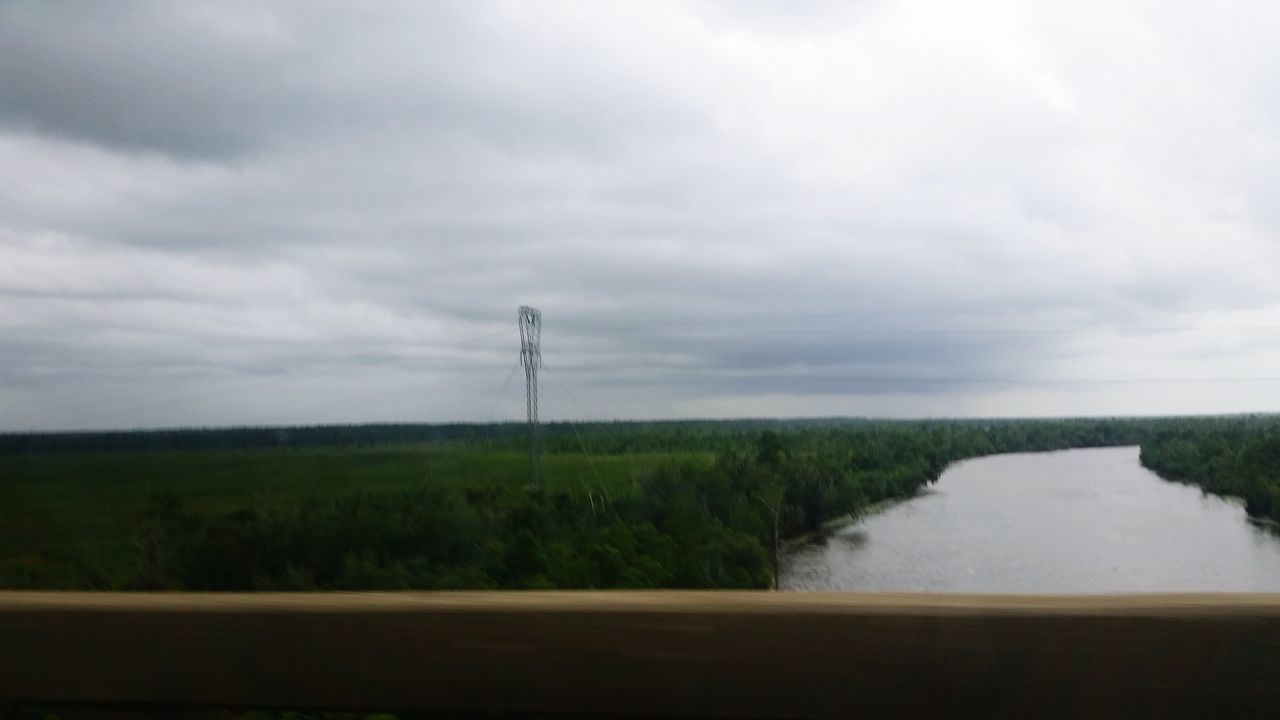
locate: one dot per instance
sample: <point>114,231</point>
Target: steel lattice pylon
<point>530,321</point>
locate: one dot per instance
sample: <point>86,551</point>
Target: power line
<point>168,402</point>
<point>556,378</point>
<point>582,441</point>
<point>373,394</point>
<point>727,329</point>
<point>222,392</point>
<point>755,376</point>
<point>494,411</point>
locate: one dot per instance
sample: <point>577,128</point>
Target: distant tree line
<point>250,437</point>
<point>611,437</point>
<point>599,437</point>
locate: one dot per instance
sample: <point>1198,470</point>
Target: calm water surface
<point>1075,521</point>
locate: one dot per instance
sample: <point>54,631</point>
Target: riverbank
<point>1081,521</point>
<point>790,544</point>
<point>1228,457</point>
<point>1261,520</point>
<point>835,524</point>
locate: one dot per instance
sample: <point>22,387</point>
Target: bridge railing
<point>654,654</point>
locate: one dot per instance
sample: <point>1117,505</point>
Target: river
<point>1073,521</point>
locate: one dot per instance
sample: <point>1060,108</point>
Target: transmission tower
<point>530,321</point>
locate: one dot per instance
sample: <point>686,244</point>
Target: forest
<point>619,505</point>
<point>1236,456</point>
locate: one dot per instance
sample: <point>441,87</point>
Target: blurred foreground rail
<point>675,654</point>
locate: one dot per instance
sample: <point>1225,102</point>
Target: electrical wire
<point>493,412</point>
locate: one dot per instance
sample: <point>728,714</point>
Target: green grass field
<point>57,510</point>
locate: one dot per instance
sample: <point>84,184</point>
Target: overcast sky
<point>293,212</point>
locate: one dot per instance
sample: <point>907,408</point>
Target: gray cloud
<point>288,212</point>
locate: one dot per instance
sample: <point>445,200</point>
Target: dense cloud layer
<point>297,212</point>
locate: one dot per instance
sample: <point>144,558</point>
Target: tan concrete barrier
<point>704,654</point>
